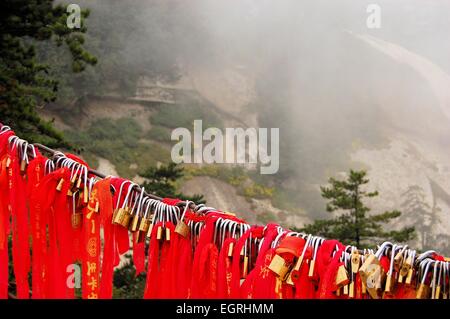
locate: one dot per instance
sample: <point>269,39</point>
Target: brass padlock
<point>134,223</point>
<point>118,216</point>
<point>437,293</point>
<point>159,233</point>
<point>182,229</point>
<point>389,287</point>
<point>230,250</point>
<point>404,269</point>
<point>351,290</point>
<point>126,218</point>
<point>355,261</point>
<point>75,220</point>
<point>60,185</point>
<point>278,266</point>
<point>85,195</point>
<point>79,182</point>
<point>311,268</point>
<point>342,277</point>
<point>345,290</point>
<point>245,267</point>
<point>144,225</point>
<point>409,277</point>
<point>167,234</point>
<point>423,291</point>
<point>398,259</point>
<point>363,288</point>
<point>374,278</point>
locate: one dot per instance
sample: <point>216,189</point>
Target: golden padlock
<point>342,277</point>
<point>363,288</point>
<point>85,195</point>
<point>409,277</point>
<point>278,266</point>
<point>345,290</point>
<point>159,233</point>
<point>182,229</point>
<point>126,218</point>
<point>134,223</point>
<point>423,291</point>
<point>311,268</point>
<point>230,250</point>
<point>144,225</point>
<point>118,216</point>
<point>389,287</point>
<point>79,182</point>
<point>437,293</point>
<point>351,290</point>
<point>398,259</point>
<point>355,261</point>
<point>60,185</point>
<point>374,278</point>
<point>167,234</point>
<point>245,267</point>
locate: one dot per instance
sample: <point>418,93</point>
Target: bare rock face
<point>404,170</point>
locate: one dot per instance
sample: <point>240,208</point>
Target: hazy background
<point>344,96</point>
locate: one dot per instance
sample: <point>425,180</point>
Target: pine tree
<point>353,224</point>
<point>25,83</point>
